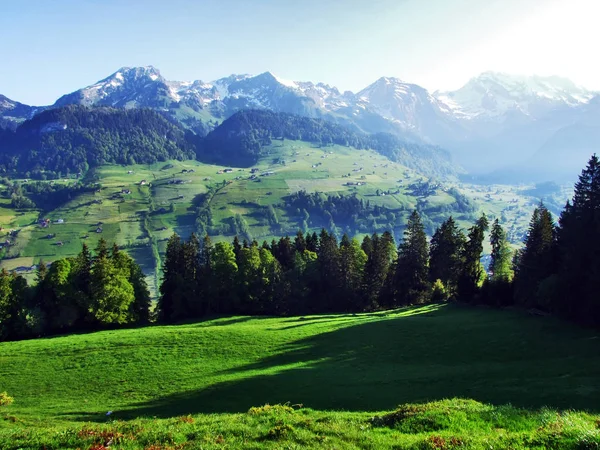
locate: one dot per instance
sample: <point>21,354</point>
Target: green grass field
<point>338,372</point>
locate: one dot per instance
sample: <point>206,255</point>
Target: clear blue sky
<point>49,48</point>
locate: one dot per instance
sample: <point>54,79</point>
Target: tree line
<point>557,271</point>
<point>316,273</point>
<point>85,293</point>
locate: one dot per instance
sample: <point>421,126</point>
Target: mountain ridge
<point>492,120</point>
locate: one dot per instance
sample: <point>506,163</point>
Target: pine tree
<point>203,283</point>
<point>536,261</point>
<point>81,273</point>
<point>497,290</point>
<point>170,301</point>
<point>412,267</point>
<point>190,254</point>
<point>329,267</point>
<point>472,274</point>
<point>500,263</point>
<point>579,247</point>
<point>300,242</point>
<point>445,253</point>
<point>367,245</point>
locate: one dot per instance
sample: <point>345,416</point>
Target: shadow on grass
<point>375,365</point>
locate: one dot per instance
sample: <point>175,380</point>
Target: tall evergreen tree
<point>329,268</point>
<point>579,249</point>
<point>170,301</point>
<point>412,268</point>
<point>501,257</point>
<point>445,253</point>
<point>472,273</point>
<point>536,260</point>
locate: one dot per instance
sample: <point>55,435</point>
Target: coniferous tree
<point>80,289</point>
<point>367,245</point>
<point>497,289</point>
<point>204,276</point>
<point>445,256</point>
<point>536,260</point>
<point>170,301</point>
<point>579,249</point>
<point>501,257</point>
<point>412,268</point>
<point>472,274</point>
<point>329,267</point>
<point>299,242</point>
<point>381,256</point>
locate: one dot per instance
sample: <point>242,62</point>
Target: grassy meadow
<point>532,382</point>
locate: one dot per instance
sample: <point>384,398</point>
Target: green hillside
<point>362,364</point>
<point>141,217</point>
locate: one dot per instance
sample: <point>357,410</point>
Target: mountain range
<point>503,127</point>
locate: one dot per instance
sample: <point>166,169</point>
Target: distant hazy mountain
<point>492,95</point>
<point>492,122</point>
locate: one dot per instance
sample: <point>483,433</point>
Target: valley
<point>140,206</point>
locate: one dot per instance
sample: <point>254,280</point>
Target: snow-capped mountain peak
<point>493,94</point>
<point>127,87</point>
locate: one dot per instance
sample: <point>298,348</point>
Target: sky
<point>49,48</point>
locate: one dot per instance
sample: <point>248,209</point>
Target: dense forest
<point>67,140</point>
<point>71,139</point>
<point>84,293</point>
<point>240,141</point>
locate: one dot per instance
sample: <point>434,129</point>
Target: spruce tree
<point>472,273</point>
<point>412,267</point>
<point>536,260</point>
<point>501,257</point>
<point>329,267</point>
<point>579,249</point>
<point>445,253</point>
<point>169,303</point>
